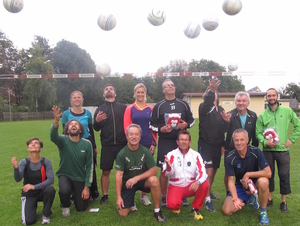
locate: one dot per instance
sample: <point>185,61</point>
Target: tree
<point>291,91</point>
<point>175,66</point>
<point>39,94</point>
<point>7,55</point>
<point>68,58</point>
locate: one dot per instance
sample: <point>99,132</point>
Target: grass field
<point>13,137</point>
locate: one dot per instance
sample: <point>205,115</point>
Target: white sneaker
<point>133,208</point>
<point>66,212</point>
<point>145,200</point>
<point>45,220</point>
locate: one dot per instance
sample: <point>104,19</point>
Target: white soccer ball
<point>232,67</point>
<point>107,22</point>
<point>13,6</point>
<point>192,30</point>
<point>210,23</point>
<point>156,17</point>
<point>232,7</point>
<point>103,69</point>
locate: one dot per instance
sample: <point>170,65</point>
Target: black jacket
<point>235,123</point>
<point>112,128</point>
<point>211,122</point>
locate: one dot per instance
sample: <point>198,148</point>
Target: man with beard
<point>75,172</point>
<point>136,170</point>
<point>109,118</point>
<point>278,119</point>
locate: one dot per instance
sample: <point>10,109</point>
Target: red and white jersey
<point>185,169</point>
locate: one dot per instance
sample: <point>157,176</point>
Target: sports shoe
<point>176,211</point>
<point>270,202</point>
<point>283,207</point>
<point>145,200</point>
<point>163,202</point>
<point>253,202</point>
<point>133,208</point>
<point>66,212</point>
<point>45,220</point>
<point>213,197</point>
<point>184,202</point>
<point>104,200</point>
<point>197,214</point>
<point>209,206</point>
<point>264,220</point>
<point>159,216</point>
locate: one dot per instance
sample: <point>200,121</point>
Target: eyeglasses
<point>169,85</point>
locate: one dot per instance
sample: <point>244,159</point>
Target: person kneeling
<point>136,170</point>
<point>187,175</point>
<point>38,176</point>
<point>247,164</point>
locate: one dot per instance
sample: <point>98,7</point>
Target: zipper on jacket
<point>114,123</point>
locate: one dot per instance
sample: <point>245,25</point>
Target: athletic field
<point>13,136</point>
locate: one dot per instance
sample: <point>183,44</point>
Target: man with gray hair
<point>241,117</point>
<point>136,170</point>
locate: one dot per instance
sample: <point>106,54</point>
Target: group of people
<point>129,139</point>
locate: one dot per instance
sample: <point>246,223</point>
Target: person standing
<point>250,168</point>
<point>136,170</point>
<point>75,171</point>
<point>187,174</point>
<point>109,118</point>
<point>278,118</point>
<point>169,116</point>
<point>241,117</point>
<point>139,113</point>
<point>38,176</point>
<point>85,117</point>
<point>212,118</point>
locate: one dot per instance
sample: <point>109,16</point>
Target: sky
<point>263,39</point>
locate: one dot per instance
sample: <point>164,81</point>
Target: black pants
<point>29,205</point>
<point>68,187</point>
<point>94,186</point>
<point>282,159</point>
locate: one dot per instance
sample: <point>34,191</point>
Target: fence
<point>18,116</point>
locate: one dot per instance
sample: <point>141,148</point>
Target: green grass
<point>13,137</point>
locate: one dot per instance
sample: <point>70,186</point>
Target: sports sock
<point>207,199</point>
<point>263,209</point>
<point>156,210</point>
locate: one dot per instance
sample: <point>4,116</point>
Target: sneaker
<point>104,200</point>
<point>253,202</point>
<point>176,211</point>
<point>184,202</point>
<point>213,197</point>
<point>66,212</point>
<point>264,220</point>
<point>283,207</point>
<point>163,202</point>
<point>45,220</point>
<point>270,202</point>
<point>209,206</point>
<point>145,200</point>
<point>133,208</point>
<point>159,216</point>
<point>197,214</point>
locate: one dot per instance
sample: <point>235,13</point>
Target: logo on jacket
<point>189,163</point>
